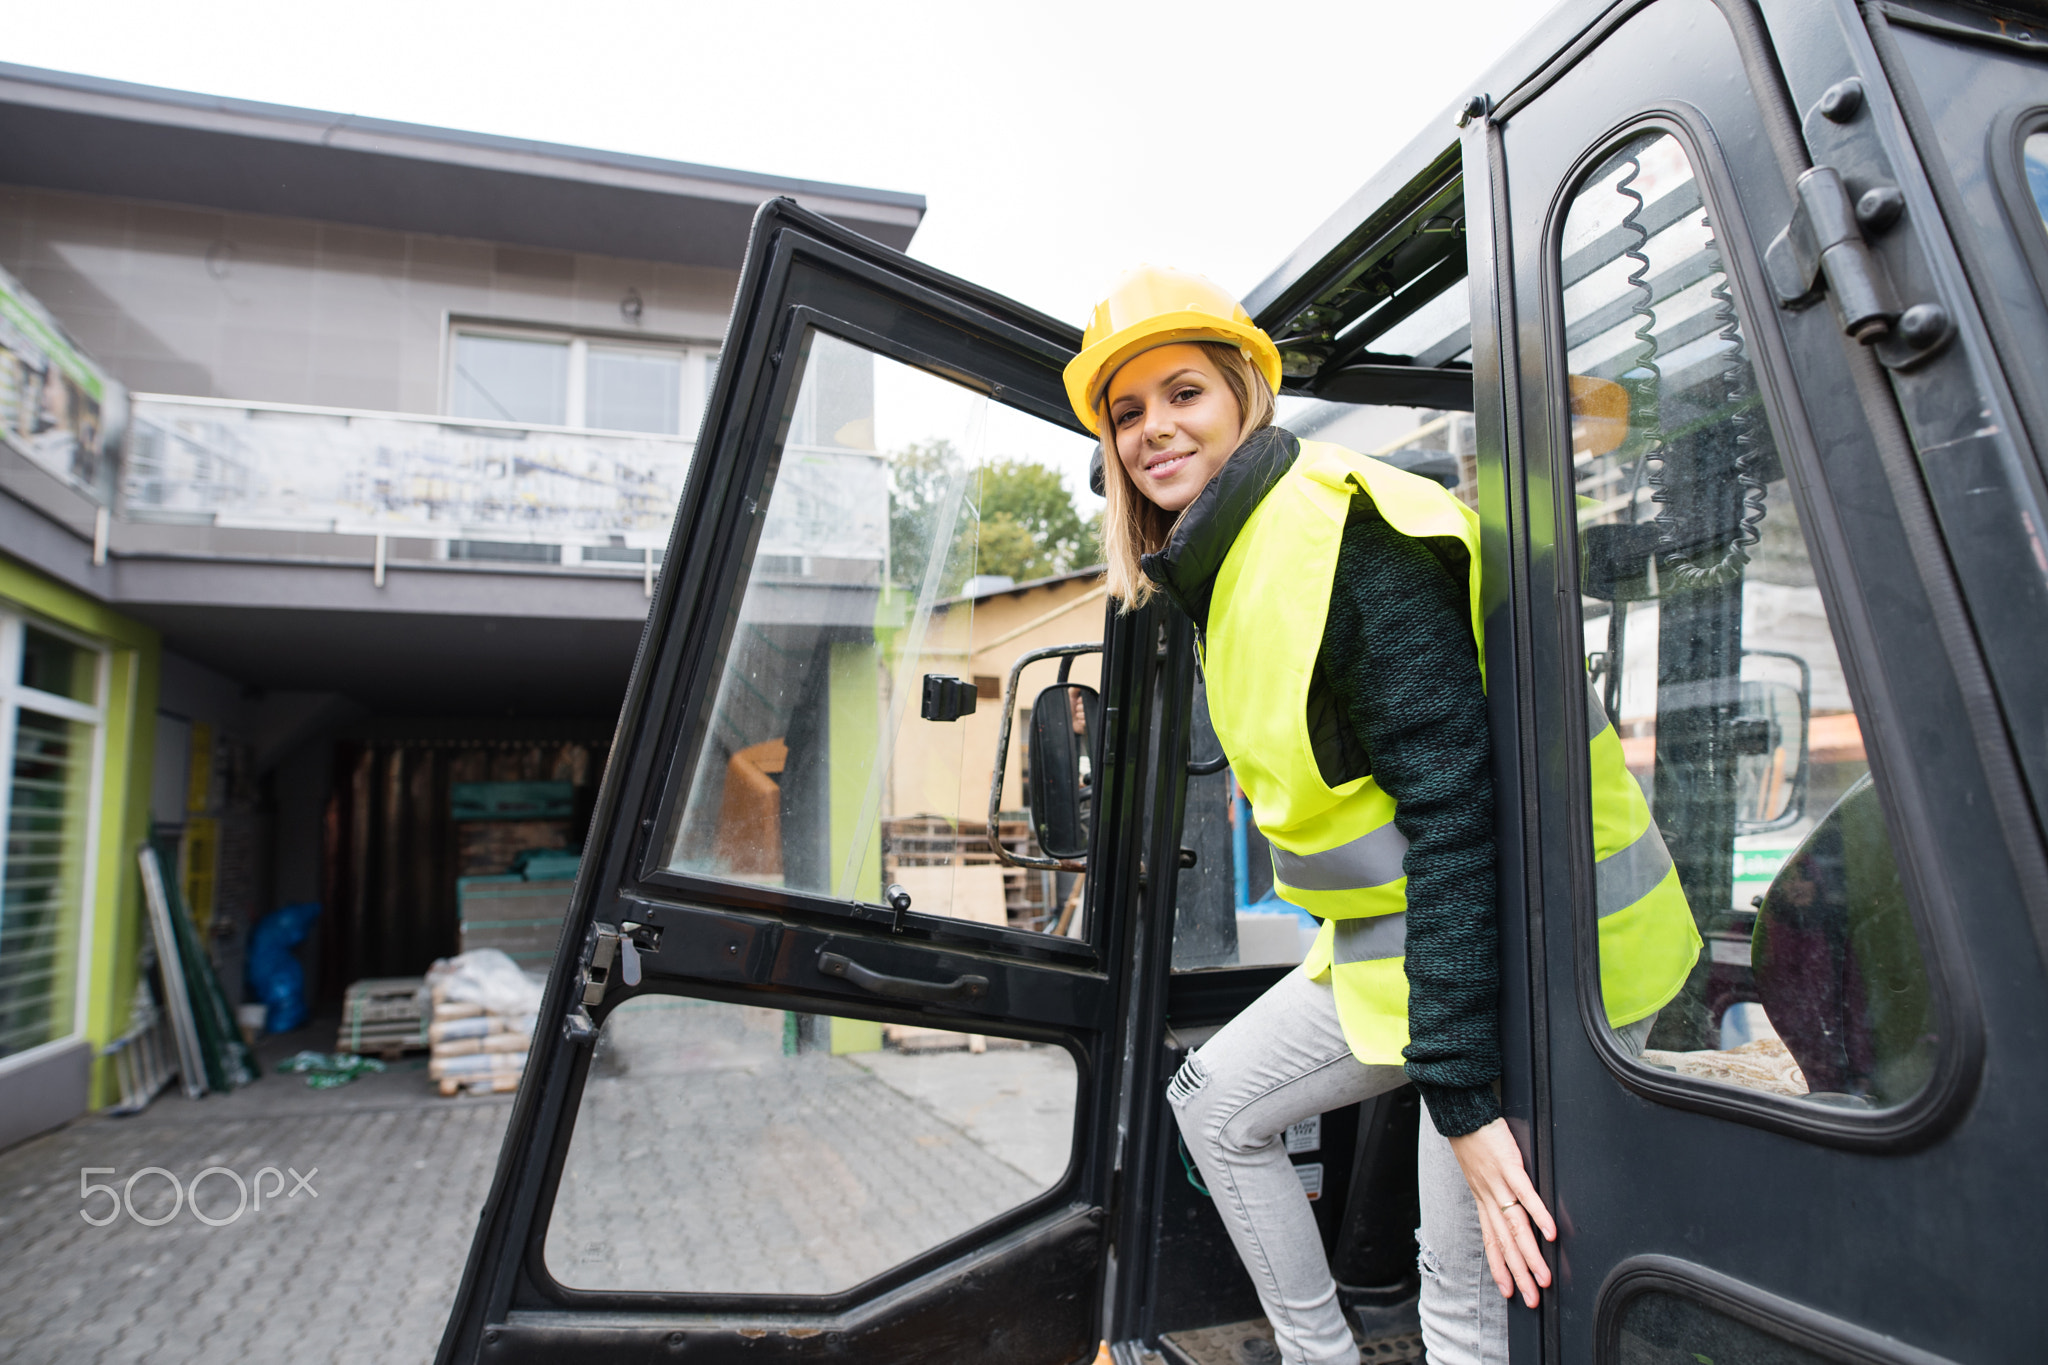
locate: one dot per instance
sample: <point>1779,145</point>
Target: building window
<point>50,713</point>
<point>561,379</point>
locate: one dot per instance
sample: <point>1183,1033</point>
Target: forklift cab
<point>1730,319</point>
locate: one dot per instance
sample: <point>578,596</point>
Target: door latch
<point>1840,206</point>
<point>597,971</point>
<point>635,939</point>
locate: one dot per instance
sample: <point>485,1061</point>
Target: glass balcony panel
<point>222,463</point>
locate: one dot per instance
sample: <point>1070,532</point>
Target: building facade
<point>339,460</point>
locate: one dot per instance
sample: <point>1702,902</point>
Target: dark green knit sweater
<point>1397,694</point>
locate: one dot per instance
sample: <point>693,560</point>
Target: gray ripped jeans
<point>1280,1061</point>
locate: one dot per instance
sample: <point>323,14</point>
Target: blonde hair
<point>1134,525</point>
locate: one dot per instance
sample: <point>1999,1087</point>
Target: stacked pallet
<point>935,841</point>
<point>383,1015</point>
<point>476,1051</point>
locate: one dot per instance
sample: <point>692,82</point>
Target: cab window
<point>775,1152</point>
<point>912,528</point>
<point>1709,653</point>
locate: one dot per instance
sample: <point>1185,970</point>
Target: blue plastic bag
<point>274,975</point>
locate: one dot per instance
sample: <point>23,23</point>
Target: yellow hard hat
<point>1153,306</point>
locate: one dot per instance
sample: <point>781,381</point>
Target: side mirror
<point>1772,758</point>
<point>1061,781</point>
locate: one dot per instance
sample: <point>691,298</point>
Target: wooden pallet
<point>382,1016</point>
<point>936,841</point>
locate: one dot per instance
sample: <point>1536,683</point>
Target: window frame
<point>2008,160</point>
<point>686,725</point>
<point>14,696</point>
<point>1793,1323</point>
<point>699,367</point>
<point>1952,998</point>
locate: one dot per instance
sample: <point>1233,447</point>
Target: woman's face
<point>1175,422</point>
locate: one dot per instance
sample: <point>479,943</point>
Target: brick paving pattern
<point>720,1163</point>
<point>361,1269</point>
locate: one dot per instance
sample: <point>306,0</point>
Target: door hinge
<point>1827,247</point>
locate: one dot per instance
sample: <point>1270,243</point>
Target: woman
<point>1336,601</point>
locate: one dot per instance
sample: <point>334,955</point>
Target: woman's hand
<point>1509,1209</point>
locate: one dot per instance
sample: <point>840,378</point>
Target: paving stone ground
<point>768,1172</point>
<point>708,1161</point>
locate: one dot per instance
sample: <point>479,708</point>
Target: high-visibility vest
<point>1336,850</point>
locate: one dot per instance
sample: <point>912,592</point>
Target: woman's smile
<point>1161,466</point>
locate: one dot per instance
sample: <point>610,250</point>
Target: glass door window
<point>632,390</point>
<point>779,1153</point>
<point>49,719</point>
<point>561,379</point>
<point>815,772</point>
<point>510,379</point>
<point>1711,663</point>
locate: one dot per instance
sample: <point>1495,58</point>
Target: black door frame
<point>1027,1283</point>
<point>1871,523</point>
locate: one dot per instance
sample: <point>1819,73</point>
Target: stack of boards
<point>476,1051</point>
<point>383,1015</point>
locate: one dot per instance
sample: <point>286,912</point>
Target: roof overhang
<point>91,136</point>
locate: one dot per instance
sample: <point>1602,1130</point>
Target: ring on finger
<point>1510,1204</point>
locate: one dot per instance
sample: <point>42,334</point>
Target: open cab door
<point>816,1077</point>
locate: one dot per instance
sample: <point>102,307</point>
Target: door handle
<point>965,987</point>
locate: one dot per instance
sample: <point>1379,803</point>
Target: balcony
<point>273,478</point>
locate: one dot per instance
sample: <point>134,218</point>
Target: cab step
<point>1251,1343</point>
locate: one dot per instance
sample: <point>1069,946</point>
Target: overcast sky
<point>1056,144</point>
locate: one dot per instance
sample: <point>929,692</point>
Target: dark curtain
<point>394,852</point>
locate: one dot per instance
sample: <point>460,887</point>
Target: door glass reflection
<point>730,1149</point>
<point>1710,653</point>
<point>1657,1328</point>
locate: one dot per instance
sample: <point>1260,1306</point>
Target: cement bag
<point>486,977</point>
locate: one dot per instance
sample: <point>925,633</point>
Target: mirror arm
<point>1002,766</point>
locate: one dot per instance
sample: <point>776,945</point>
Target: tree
<point>1027,526</point>
<point>923,477</point>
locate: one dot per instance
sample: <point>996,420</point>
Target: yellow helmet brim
<point>1089,373</point>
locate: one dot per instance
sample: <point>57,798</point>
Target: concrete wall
<point>232,305</point>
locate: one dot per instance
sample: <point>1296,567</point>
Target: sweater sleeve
<point>1397,651</point>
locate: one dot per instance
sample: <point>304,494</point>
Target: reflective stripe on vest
<point>1336,850</point>
<point>1373,859</point>
<point>1634,870</point>
<point>1648,942</point>
<point>1370,939</point>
